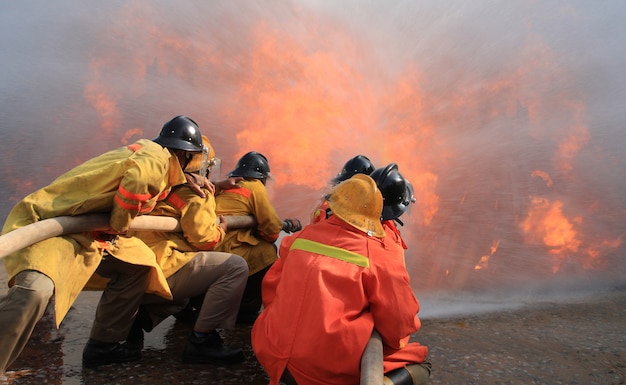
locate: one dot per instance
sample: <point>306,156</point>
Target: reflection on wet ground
<point>55,356</point>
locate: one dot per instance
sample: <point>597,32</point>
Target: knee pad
<point>412,374</point>
<point>399,376</point>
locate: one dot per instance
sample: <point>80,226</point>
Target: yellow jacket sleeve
<point>197,217</point>
<point>149,177</point>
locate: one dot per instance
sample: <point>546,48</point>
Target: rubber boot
<point>101,353</point>
<point>210,349</point>
<point>142,323</point>
<point>414,374</point>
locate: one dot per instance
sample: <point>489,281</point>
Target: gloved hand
<point>198,182</point>
<point>291,225</point>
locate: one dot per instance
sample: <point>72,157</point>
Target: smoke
<point>507,117</point>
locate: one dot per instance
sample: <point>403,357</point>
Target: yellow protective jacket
<point>255,245</point>
<point>124,182</point>
<point>200,230</point>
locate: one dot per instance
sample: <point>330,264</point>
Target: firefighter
<point>256,245</point>
<point>124,182</point>
<point>397,193</point>
<point>359,164</point>
<point>336,282</point>
<point>194,270</point>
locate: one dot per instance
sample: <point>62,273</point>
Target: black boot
<point>101,353</point>
<point>247,318</point>
<point>135,336</point>
<point>210,349</point>
<point>142,323</point>
<point>189,314</point>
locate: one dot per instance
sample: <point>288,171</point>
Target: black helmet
<point>397,191</point>
<point>181,133</point>
<point>360,164</point>
<point>252,165</point>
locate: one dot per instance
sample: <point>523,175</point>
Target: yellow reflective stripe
<point>330,251</point>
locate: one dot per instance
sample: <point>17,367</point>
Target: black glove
<point>291,225</point>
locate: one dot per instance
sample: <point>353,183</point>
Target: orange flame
<point>126,139</point>
<point>547,223</point>
<point>543,175</point>
<point>484,260</point>
<point>101,99</point>
<point>309,103</point>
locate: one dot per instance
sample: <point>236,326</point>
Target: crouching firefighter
<point>335,282</point>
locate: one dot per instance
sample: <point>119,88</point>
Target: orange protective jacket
<point>255,245</point>
<point>329,289</point>
<point>198,221</point>
<point>124,182</point>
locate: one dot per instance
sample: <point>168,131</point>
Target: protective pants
<point>219,277</point>
<point>20,310</point>
<point>120,299</point>
<point>26,302</point>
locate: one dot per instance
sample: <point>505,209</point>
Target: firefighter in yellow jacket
<point>256,245</point>
<point>126,182</point>
<point>194,270</point>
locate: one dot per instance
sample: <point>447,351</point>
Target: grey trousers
<point>26,302</point>
<point>20,310</point>
<point>219,277</point>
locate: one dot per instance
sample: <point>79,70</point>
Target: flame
<point>303,114</point>
<point>576,138</point>
<point>596,252</point>
<point>429,200</point>
<point>126,139</point>
<point>543,175</point>
<point>547,223</point>
<point>101,98</point>
<point>310,102</point>
<point>484,260</point>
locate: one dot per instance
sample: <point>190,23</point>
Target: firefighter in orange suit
<point>126,182</point>
<point>256,245</point>
<point>194,270</point>
<point>397,195</point>
<point>336,282</point>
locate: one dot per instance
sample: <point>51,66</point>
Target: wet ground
<point>54,356</point>
<point>579,341</point>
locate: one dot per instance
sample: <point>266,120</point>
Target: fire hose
<point>371,360</point>
<point>372,371</point>
<point>53,227</point>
